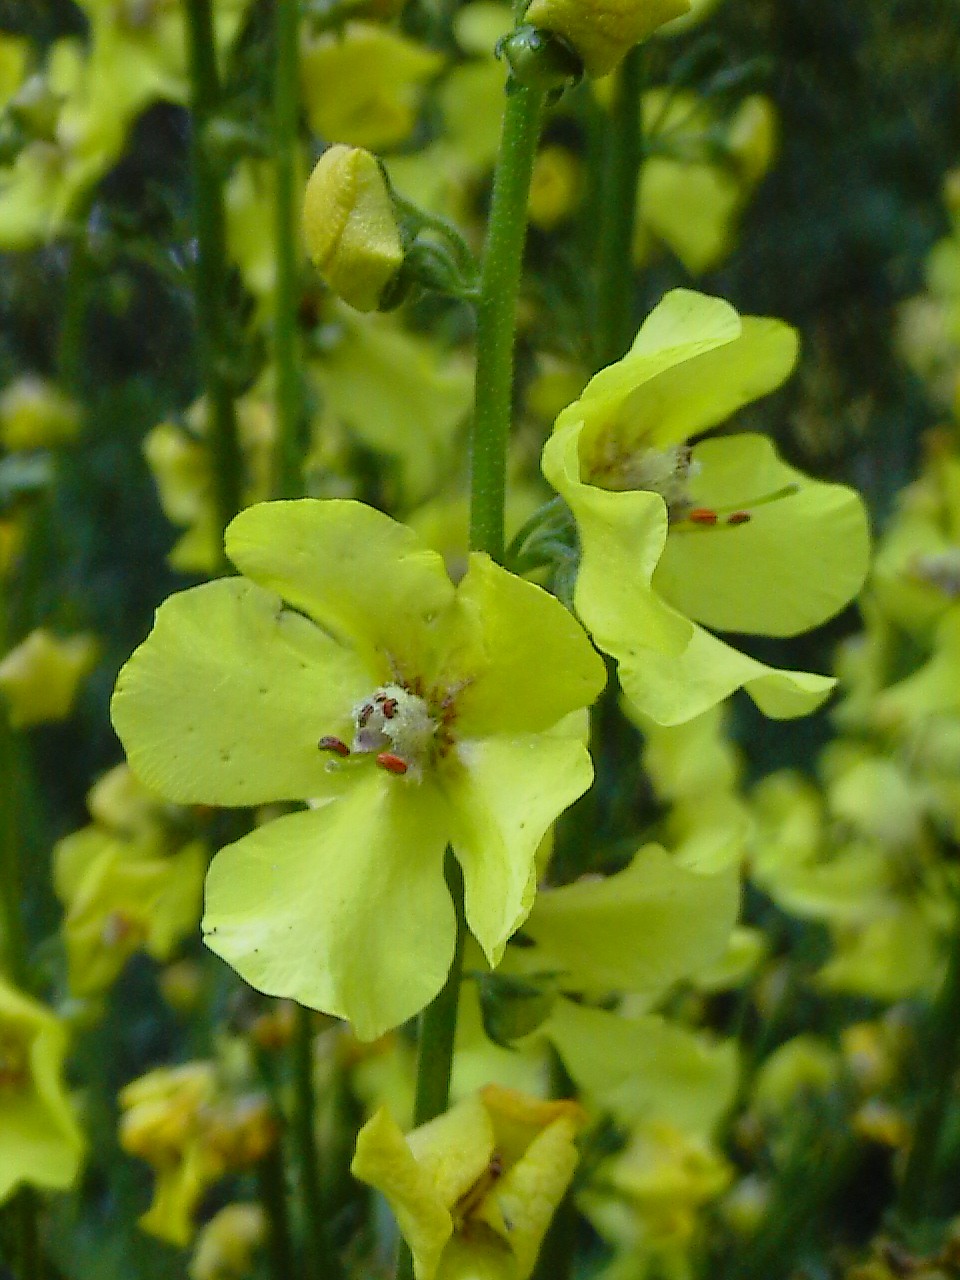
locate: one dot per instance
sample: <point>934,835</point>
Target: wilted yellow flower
<point>474,1190</point>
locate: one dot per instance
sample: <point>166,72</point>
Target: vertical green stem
<point>437,1030</point>
<point>497,317</point>
<point>273,1197</point>
<point>941,1055</point>
<point>320,1262</point>
<point>622,144</point>
<point>211,268</point>
<point>287,478</point>
<point>496,326</point>
<point>12,930</point>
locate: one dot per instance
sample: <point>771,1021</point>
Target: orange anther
<point>702,515</point>
<point>336,745</point>
<point>392,763</point>
<point>738,517</point>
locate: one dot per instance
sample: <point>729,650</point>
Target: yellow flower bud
<point>350,228</point>
<point>226,1245</point>
<point>753,138</point>
<point>603,31</point>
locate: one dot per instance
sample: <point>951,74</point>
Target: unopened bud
<point>603,31</point>
<point>350,227</point>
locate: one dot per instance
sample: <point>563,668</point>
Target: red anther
<point>738,517</point>
<point>392,763</point>
<point>495,1167</point>
<point>336,745</point>
<point>366,711</point>
<point>389,707</point>
<point>702,515</point>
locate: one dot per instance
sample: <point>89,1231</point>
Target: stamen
<point>336,745</point>
<point>706,517</point>
<point>392,763</point>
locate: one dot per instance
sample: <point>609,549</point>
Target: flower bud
<point>350,228</point>
<point>603,31</point>
<point>35,415</point>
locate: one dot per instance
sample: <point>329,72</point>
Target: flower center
<point>14,1071</point>
<point>400,727</point>
<point>664,471</point>
<point>940,569</point>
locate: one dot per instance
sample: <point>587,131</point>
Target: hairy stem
<point>287,478</point>
<point>622,146</point>
<point>942,1059</point>
<point>211,266</point>
<point>320,1261</point>
<point>497,318</point>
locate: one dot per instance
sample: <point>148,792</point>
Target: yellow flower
<point>181,1122</point>
<point>40,1143</point>
<point>474,1190</point>
<point>40,677</point>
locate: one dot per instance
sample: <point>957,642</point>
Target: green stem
<point>942,1057</point>
<point>496,325</point>
<point>438,1027</point>
<point>622,144</point>
<point>271,1185</point>
<point>211,268</point>
<point>320,1262</point>
<point>287,480</point>
<point>12,929</point>
<point>497,317</point>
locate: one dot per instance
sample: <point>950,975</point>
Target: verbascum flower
<point>362,85</point>
<point>39,678</point>
<point>40,1143</point>
<point>350,227</point>
<point>346,669</point>
<point>603,31</point>
<point>721,533</point>
<point>122,898</point>
<point>704,164</point>
<point>227,1245</point>
<point>193,1132</point>
<point>474,1190</point>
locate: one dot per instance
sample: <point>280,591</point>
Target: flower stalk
<point>320,1263</point>
<point>622,146</point>
<point>497,317</point>
<point>287,481</point>
<point>211,265</point>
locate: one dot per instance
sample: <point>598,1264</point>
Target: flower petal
<point>795,563</point>
<point>502,802</point>
<point>621,536</point>
<point>637,931</point>
<point>673,688</point>
<point>343,908</point>
<point>645,1068</point>
<point>384,1160</point>
<point>694,363</point>
<point>539,663</point>
<point>226,699</point>
<point>361,575</point>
